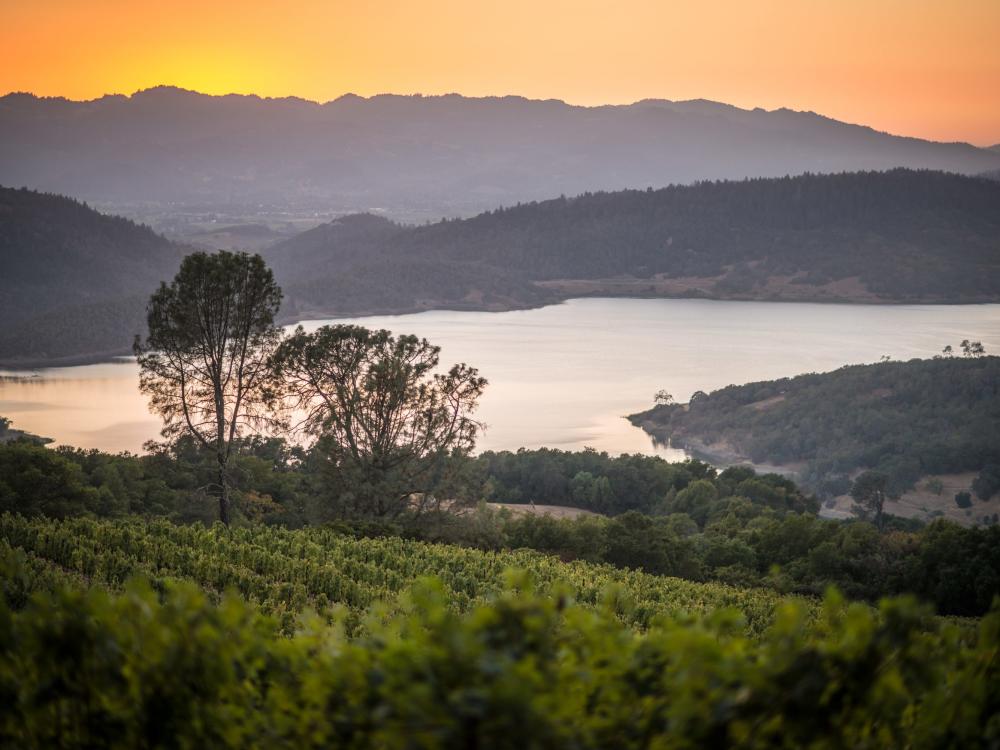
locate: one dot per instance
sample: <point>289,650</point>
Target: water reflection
<point>561,376</point>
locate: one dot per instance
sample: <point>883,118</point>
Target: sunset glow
<point>916,67</point>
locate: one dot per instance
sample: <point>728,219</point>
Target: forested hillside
<point>73,281</point>
<point>894,236</point>
<point>903,419</point>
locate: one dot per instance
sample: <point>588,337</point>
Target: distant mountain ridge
<point>421,155</point>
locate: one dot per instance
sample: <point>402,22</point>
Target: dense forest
<point>903,419</point>
<point>766,238</point>
<point>74,281</point>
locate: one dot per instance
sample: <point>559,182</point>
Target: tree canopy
<point>386,420</point>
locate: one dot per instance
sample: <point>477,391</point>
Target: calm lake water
<point>561,376</point>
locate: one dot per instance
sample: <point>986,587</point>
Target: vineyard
<point>131,633</point>
<point>284,572</point>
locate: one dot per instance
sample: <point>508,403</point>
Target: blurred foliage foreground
<point>174,668</point>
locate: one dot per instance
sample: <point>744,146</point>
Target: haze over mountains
<point>416,157</point>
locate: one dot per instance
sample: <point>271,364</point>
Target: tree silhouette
<point>205,364</point>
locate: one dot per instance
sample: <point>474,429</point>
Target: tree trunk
<point>223,493</point>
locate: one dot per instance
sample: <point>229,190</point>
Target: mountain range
<point>415,157</point>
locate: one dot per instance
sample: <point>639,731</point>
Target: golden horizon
<point>925,69</point>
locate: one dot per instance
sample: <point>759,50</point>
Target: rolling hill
<point>74,281</point>
<point>896,236</point>
<point>419,157</point>
<point>908,420</point>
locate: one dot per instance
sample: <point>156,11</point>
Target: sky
<point>927,68</point>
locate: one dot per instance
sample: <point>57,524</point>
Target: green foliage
<point>903,419</point>
<point>616,484</point>
<point>522,670</point>
<point>37,481</point>
<point>987,484</point>
<point>963,499</point>
<point>748,530</point>
<point>952,567</point>
<point>391,431</point>
<point>171,481</point>
<point>869,494</point>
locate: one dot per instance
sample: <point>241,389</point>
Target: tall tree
<point>205,363</point>
<point>388,423</point>
<point>869,494</point>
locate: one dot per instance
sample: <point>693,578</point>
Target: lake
<point>561,376</point>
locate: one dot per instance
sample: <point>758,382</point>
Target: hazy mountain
<point>420,156</point>
<point>72,280</point>
<point>880,236</point>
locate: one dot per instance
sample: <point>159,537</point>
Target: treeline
<point>956,569</point>
<point>905,420</point>
<point>684,520</point>
<point>80,670</point>
<point>812,229</point>
<point>615,484</point>
<point>286,484</point>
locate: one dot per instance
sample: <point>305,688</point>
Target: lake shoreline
<point>719,456</point>
<point>563,375</point>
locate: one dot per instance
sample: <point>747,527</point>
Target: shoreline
<point>698,449</point>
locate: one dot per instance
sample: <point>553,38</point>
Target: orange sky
<point>928,68</point>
